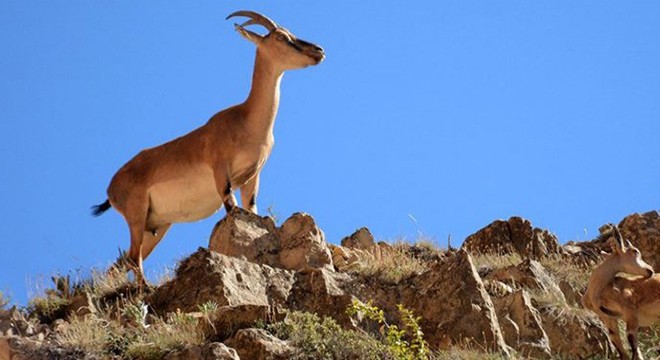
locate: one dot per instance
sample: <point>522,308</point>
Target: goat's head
<point>279,45</point>
<point>629,258</point>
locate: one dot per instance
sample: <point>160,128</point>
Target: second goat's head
<point>280,46</point>
<point>628,256</point>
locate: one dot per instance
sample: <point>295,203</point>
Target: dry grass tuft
<point>574,274</point>
<point>392,264</point>
<point>495,261</point>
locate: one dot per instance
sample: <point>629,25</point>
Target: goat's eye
<point>281,37</point>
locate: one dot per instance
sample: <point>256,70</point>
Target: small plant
<point>649,341</point>
<point>47,308</point>
<point>270,210</point>
<point>136,314</point>
<point>314,339</point>
<point>208,307</point>
<point>394,338</point>
<point>89,334</point>
<point>154,342</point>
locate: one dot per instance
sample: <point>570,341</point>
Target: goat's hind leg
<point>151,238</point>
<point>131,260</point>
<point>134,256</point>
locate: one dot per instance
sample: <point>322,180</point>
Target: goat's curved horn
<point>256,18</point>
<point>618,237</point>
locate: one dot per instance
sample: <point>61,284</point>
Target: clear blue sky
<point>452,113</point>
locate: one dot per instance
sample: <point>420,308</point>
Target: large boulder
<point>321,291</point>
<point>297,245</point>
<point>515,235</point>
<point>574,334</point>
<point>302,244</point>
<point>243,234</point>
<point>361,239</point>
<point>209,276</point>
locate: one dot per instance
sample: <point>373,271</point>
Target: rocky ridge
<point>511,289</point>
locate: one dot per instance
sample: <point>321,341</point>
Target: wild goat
<point>635,301</point>
<point>189,178</point>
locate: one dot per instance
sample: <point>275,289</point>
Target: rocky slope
<point>511,291</point>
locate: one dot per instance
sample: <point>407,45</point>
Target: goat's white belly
<point>191,197</point>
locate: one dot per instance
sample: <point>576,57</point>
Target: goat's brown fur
<point>191,177</point>
<point>635,301</point>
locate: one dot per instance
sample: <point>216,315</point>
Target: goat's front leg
<point>615,337</point>
<point>249,194</point>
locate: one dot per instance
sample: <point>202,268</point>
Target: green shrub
<point>314,338</point>
<point>394,338</point>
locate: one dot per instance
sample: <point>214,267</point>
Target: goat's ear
<point>250,35</point>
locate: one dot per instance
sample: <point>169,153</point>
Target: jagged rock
<point>515,235</point>
<point>211,351</point>
<point>210,276</point>
<point>259,344</point>
<point>574,335</point>
<point>321,291</point>
<point>643,230</point>
<point>452,302</point>
<point>302,244</point>
<point>297,245</point>
<point>243,234</point>
<point>361,239</point>
<point>497,289</point>
<point>571,294</point>
<point>529,274</point>
<point>522,325</point>
<point>345,259</point>
<point>228,319</point>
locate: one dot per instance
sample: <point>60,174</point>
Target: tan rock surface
<point>515,235</point>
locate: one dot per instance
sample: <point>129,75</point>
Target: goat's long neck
<point>603,275</point>
<point>264,98</point>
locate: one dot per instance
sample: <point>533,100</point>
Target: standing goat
<point>635,301</point>
<point>189,178</point>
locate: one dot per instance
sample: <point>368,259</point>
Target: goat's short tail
<point>98,210</point>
